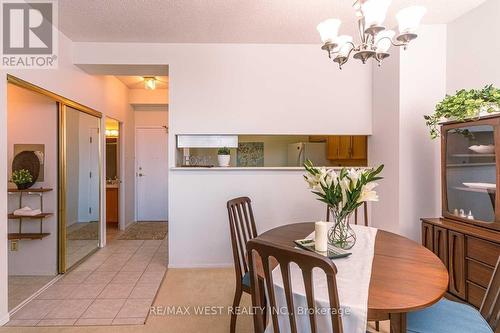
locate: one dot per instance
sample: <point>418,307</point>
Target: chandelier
<point>375,39</point>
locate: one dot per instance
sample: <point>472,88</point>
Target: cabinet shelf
<point>18,236</point>
<point>473,155</point>
<point>478,190</point>
<point>458,165</point>
<point>39,216</point>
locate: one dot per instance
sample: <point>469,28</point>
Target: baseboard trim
<point>5,319</point>
<point>187,266</point>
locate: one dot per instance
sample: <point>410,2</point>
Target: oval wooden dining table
<point>405,275</point>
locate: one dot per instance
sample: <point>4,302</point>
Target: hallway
<point>116,285</point>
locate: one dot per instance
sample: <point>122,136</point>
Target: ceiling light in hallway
<point>149,83</point>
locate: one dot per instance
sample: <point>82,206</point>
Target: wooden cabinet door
<point>359,147</point>
<point>318,138</point>
<point>427,236</point>
<point>333,147</point>
<point>440,244</point>
<point>111,205</point>
<point>344,147</point>
<point>456,263</point>
<point>339,147</point>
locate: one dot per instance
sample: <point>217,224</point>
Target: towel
<point>27,211</point>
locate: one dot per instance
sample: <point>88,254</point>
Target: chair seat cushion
<point>246,280</point>
<point>447,317</point>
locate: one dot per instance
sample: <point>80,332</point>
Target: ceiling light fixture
<point>149,83</point>
<point>112,133</point>
<point>375,39</point>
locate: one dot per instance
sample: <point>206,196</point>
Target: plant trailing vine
<point>465,104</point>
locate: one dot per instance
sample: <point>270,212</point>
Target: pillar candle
<point>321,236</point>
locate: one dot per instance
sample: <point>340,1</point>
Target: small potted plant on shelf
<point>22,178</point>
<point>464,105</point>
<point>224,156</point>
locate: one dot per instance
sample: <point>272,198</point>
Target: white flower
<point>367,193</point>
<point>354,175</point>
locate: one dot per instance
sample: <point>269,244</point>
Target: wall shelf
<point>21,218</point>
<point>39,216</point>
<point>32,190</point>
<point>18,236</point>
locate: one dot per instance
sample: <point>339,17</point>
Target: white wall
<point>474,49</point>
<point>106,94</point>
<point>32,119</point>
<point>243,89</point>
<point>405,89</point>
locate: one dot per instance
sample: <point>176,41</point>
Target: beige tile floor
<point>23,286</point>
<point>181,287</point>
<point>116,285</point>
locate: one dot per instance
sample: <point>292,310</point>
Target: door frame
<point>137,171</point>
<point>122,224</point>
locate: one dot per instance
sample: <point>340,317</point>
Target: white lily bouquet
<point>343,191</point>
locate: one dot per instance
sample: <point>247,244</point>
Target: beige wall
<point>145,118</point>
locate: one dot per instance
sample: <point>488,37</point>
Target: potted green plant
<point>22,178</point>
<point>464,105</point>
<point>224,156</point>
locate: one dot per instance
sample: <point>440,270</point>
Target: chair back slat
<point>490,307</point>
<point>287,284</point>
<point>334,299</point>
<point>243,225</point>
<point>308,284</point>
<point>365,214</point>
<point>261,250</point>
<point>242,229</point>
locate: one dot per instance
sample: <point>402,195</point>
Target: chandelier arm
<point>392,42</point>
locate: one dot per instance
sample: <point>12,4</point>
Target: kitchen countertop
<point>246,168</point>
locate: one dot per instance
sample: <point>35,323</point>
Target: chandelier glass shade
<point>375,39</point>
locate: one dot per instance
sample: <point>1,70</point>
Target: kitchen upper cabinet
<point>347,150</point>
<point>359,149</point>
<point>339,147</point>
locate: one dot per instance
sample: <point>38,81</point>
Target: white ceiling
<point>224,21</point>
<point>137,82</point>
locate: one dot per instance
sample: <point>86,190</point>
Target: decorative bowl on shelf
<point>483,149</point>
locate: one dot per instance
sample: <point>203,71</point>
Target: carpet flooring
<point>145,231</point>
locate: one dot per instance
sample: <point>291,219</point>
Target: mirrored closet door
<point>80,171</point>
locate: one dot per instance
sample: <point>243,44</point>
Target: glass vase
<point>341,234</point>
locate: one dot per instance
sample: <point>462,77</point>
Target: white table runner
<point>353,281</point>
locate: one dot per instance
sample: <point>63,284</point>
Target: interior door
<point>151,174</point>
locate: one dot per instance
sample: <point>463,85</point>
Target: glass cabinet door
<point>471,172</point>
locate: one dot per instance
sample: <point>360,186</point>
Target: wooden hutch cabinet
<point>467,237</point>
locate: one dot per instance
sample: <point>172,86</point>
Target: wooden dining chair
<point>449,316</point>
<point>259,254</point>
<point>365,214</point>
<point>242,228</point>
